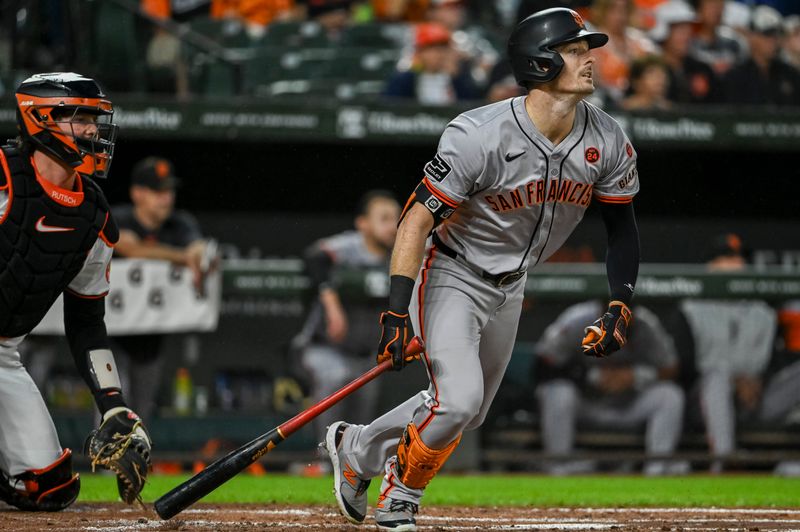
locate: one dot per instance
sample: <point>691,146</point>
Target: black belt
<point>497,279</point>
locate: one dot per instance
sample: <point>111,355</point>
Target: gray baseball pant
<point>28,438</point>
<point>330,369</point>
<point>660,406</point>
<point>781,393</point>
<point>469,327</point>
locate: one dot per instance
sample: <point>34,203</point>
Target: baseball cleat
<point>396,515</point>
<point>350,491</point>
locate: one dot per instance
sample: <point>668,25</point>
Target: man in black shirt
<point>690,80</point>
<point>151,228</point>
<point>765,78</point>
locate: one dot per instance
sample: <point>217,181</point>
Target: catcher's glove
<point>122,445</point>
<point>394,339</point>
<point>609,332</point>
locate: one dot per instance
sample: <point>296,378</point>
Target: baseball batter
<point>508,185</point>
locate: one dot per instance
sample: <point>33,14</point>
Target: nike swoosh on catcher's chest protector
<point>44,228</point>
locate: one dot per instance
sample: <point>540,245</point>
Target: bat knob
<point>415,346</point>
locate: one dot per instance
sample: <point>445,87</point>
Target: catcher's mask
<point>46,102</point>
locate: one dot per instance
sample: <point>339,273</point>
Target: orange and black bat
<point>227,467</point>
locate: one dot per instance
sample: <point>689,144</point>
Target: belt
<point>497,279</point>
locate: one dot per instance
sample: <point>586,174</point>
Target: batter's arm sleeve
<point>622,256</point>
<point>88,341</point>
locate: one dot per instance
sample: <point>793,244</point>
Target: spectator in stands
<point>715,44</point>
<point>625,44</point>
<point>690,80</point>
<point>764,78</point>
<point>476,54</point>
<point>790,51</point>
<point>399,10</point>
<point>435,77</point>
<point>150,228</point>
<point>337,341</point>
<point>633,388</point>
<point>332,15</point>
<point>733,344</point>
<point>649,82</point>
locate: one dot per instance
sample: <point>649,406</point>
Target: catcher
<point>57,237</point>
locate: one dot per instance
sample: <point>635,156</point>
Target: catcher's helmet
<point>45,100</point>
<point>530,46</point>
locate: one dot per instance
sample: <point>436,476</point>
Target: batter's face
<point>576,76</point>
<point>379,223</point>
<point>155,205</point>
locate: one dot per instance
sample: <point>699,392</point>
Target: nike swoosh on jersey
<point>510,157</point>
<point>44,228</point>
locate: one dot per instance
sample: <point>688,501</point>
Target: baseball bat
<point>230,465</point>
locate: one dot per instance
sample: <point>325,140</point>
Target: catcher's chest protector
<point>43,243</point>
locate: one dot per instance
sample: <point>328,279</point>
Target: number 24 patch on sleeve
<point>437,169</point>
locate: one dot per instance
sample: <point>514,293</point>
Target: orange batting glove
<point>609,332</point>
<point>394,339</point>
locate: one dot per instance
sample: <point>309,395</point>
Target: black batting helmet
<point>530,46</point>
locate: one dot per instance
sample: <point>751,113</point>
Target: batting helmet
<point>46,101</point>
<point>530,46</point>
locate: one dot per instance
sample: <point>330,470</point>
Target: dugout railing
<point>510,440</point>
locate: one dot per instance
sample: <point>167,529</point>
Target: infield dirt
<point>224,518</point>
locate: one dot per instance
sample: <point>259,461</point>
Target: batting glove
<point>394,339</point>
<point>609,332</point>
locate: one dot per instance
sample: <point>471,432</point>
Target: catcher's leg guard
<point>416,463</point>
<point>49,489</point>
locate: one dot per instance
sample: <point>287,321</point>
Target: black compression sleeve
<point>622,257</point>
<point>318,267</point>
<point>86,331</point>
<point>400,290</point>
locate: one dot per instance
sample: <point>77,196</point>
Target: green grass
<point>497,490</point>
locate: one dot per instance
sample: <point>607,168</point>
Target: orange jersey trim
<point>8,186</point>
<point>85,296</point>
<point>102,235</point>
<point>62,196</point>
<point>614,199</point>
<point>440,195</point>
<point>421,298</point>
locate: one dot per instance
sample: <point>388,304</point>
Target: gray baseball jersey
<point>348,251</point>
<point>509,196</point>
<point>735,336</point>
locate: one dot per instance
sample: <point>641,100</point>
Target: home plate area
<point>219,518</point>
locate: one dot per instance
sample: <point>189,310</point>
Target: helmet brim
<point>594,38</point>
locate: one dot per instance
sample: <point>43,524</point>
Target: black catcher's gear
<point>45,100</point>
<point>530,46</point>
<point>49,489</point>
<point>33,275</point>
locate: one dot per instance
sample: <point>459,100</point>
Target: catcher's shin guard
<point>416,463</point>
<point>49,489</point>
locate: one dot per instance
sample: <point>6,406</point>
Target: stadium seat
<point>276,65</point>
<point>294,34</point>
<point>117,48</point>
<point>361,64</point>
<point>228,33</point>
<point>375,35</point>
